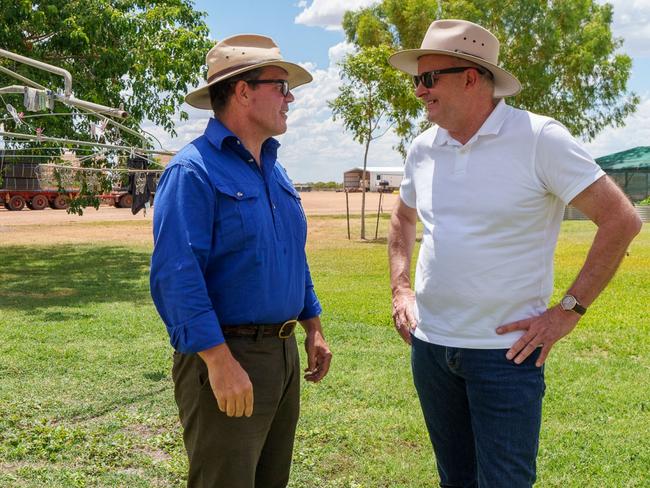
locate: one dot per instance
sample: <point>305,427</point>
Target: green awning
<point>637,158</point>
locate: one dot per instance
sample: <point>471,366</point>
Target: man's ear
<point>471,78</point>
<point>241,92</point>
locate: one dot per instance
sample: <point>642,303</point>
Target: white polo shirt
<point>491,211</point>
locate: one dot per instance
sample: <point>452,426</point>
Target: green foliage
<point>645,201</point>
<point>373,99</point>
<point>325,185</point>
<point>144,54</point>
<point>86,397</point>
<point>373,95</point>
<point>563,52</point>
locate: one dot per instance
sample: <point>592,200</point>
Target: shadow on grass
<point>33,279</point>
<point>90,411</point>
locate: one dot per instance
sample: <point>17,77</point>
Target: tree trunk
<point>363,191</point>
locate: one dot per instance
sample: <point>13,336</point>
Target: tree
<point>142,53</point>
<point>563,52</point>
<point>373,99</point>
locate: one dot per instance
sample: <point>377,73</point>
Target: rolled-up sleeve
<point>312,307</point>
<point>183,230</point>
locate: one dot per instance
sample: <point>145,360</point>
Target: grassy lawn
<point>86,398</point>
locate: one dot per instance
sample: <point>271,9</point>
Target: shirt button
<point>251,160</point>
<point>240,194</point>
<point>238,143</point>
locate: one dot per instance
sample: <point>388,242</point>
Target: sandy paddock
<point>42,227</point>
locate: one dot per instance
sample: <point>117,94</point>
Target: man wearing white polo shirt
<point>489,183</point>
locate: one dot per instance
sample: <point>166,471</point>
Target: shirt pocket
<point>237,216</point>
<point>298,219</point>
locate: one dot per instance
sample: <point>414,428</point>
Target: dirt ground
<point>110,224</point>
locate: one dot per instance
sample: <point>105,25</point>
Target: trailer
<point>38,170</point>
<point>20,186</point>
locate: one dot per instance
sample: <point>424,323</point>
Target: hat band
<point>237,67</point>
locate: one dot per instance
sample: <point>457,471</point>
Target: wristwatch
<point>569,302</point>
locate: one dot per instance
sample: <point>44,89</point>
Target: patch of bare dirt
<point>112,225</point>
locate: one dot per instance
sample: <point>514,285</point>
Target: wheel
<point>39,202</point>
<point>60,202</point>
<point>125,201</point>
<point>16,203</point>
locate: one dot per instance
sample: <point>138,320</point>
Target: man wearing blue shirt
<point>229,274</point>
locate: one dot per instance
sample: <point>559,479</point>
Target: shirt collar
<point>217,133</point>
<point>491,126</point>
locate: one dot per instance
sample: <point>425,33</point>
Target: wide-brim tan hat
<point>464,40</point>
<point>241,53</point>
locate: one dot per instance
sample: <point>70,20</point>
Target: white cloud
<point>339,51</point>
<point>632,23</point>
<point>315,148</point>
<point>636,132</point>
<point>186,130</point>
<point>329,13</point>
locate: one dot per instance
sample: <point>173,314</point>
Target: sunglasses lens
<point>425,78</point>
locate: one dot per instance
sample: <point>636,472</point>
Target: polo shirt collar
<point>217,133</point>
<point>491,126</point>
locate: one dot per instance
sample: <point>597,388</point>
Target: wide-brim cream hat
<point>241,53</point>
<point>465,40</point>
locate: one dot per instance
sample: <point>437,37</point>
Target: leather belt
<point>283,331</point>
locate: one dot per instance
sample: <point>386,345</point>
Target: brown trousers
<point>229,452</point>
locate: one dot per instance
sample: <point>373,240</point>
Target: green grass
<point>86,398</point>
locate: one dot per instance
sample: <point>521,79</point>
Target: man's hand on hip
<point>230,383</point>
<point>403,316</point>
<point>544,330</point>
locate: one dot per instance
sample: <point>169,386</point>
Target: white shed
<point>390,176</point>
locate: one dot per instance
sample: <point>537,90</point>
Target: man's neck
<point>251,140</point>
<point>475,119</point>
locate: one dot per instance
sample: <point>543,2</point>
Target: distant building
<point>631,170</point>
<point>377,177</point>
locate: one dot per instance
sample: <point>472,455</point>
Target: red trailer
<point>35,200</point>
<point>20,187</point>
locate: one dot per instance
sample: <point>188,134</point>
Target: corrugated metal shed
<point>631,170</point>
<point>389,176</point>
<point>637,158</point>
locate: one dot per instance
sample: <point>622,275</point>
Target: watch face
<point>568,302</point>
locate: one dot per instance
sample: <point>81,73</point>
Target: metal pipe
<point>71,101</point>
<point>22,78</point>
<point>67,77</point>
<point>116,170</point>
<point>95,107</point>
<point>30,137</point>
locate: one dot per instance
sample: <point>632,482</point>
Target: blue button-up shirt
<point>229,242</point>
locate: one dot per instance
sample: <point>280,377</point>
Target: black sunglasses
<point>284,89</point>
<point>430,78</point>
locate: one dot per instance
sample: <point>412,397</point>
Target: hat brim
<point>297,75</point>
<point>505,84</point>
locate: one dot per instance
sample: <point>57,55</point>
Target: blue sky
<point>315,148</point>
<point>275,19</point>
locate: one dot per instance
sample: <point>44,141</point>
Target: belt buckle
<point>290,325</point>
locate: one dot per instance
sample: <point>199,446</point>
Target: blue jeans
<point>483,414</point>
